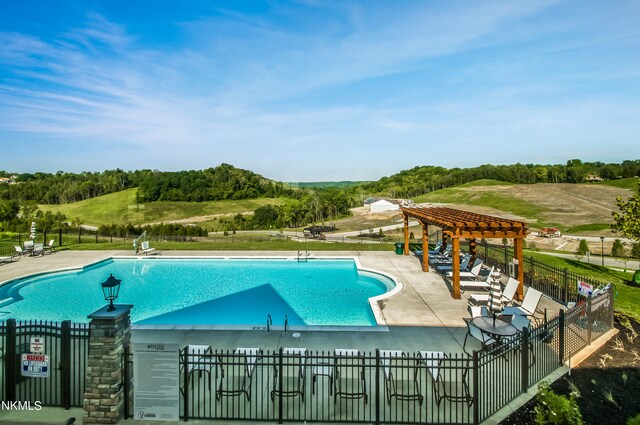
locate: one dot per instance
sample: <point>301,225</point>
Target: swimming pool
<point>198,291</point>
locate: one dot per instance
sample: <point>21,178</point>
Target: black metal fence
<point>560,284</point>
<point>295,385</point>
<point>66,346</point>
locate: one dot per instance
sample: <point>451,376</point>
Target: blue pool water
<point>205,291</point>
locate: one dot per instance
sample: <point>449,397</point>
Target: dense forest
<point>424,179</point>
<point>212,184</point>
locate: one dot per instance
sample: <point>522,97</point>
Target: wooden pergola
<point>457,224</point>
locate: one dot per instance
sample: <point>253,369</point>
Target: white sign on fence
<point>37,345</point>
<point>585,289</point>
<point>157,382</point>
<point>34,365</point>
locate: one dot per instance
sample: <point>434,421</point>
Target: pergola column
<point>455,269</point>
<point>425,247</point>
<point>473,251</point>
<point>406,234</point>
<point>517,255</point>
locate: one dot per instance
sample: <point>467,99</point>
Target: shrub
<point>634,421</point>
<point>583,247</point>
<point>553,408</point>
<point>617,250</point>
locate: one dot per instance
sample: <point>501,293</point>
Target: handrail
<point>269,323</point>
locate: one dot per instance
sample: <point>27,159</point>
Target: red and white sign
<point>34,365</point>
<point>37,345</point>
<point>585,289</point>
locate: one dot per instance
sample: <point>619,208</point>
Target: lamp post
<point>110,289</point>
<point>602,249</point>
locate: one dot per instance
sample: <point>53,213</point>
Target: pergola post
<point>455,269</point>
<point>517,255</point>
<point>472,251</point>
<point>425,247</point>
<point>406,234</point>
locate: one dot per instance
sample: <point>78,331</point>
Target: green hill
<point>121,208</point>
<point>629,183</point>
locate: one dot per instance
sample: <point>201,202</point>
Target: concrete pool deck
<point>423,316</point>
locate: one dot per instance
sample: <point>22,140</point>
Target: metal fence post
<point>377,386</point>
<point>565,297</point>
<point>79,235</point>
<point>11,361</point>
<point>476,392</point>
<point>65,364</point>
<point>279,385</point>
<point>561,329</point>
<point>611,308</point>
<point>525,359</point>
<point>589,321</point>
<point>185,386</point>
<point>60,236</point>
<point>126,372</point>
<point>532,267</point>
<point>45,235</point>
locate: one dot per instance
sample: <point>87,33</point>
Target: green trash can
<point>399,248</point>
<point>636,275</point>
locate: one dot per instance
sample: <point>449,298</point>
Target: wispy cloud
<point>342,80</point>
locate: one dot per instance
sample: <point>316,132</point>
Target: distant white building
<point>383,205</point>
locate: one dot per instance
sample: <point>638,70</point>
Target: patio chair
<point>475,273</point>
<point>400,376</point>
<point>291,381</point>
<point>520,323</point>
<point>434,251</point>
<point>348,377</point>
<point>200,360</point>
<point>6,259</point>
<point>49,247</point>
<point>236,372</point>
<point>145,248</point>
<point>38,249</point>
<point>476,285</point>
<point>464,263</point>
<point>19,252</point>
<point>450,378</point>
<point>529,306</point>
<point>508,294</point>
<point>27,248</point>
<point>477,334</point>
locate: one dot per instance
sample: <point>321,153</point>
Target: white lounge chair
<point>236,372</point>
<point>401,377</point>
<point>145,248</point>
<point>464,263</point>
<point>508,294</point>
<point>293,379</point>
<point>49,247</point>
<point>474,273</point>
<point>450,377</point>
<point>529,306</point>
<point>476,285</point>
<point>199,360</point>
<point>348,376</point>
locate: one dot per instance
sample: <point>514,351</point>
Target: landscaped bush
<point>634,421</point>
<point>553,408</point>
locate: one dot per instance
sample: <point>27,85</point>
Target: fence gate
<point>62,380</point>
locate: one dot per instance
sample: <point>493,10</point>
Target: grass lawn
<point>627,297</point>
<point>629,183</point>
<point>121,208</point>
<point>273,245</point>
<point>586,228</point>
<point>490,199</point>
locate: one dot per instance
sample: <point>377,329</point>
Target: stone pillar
<point>110,332</point>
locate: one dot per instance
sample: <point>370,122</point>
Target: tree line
<point>424,179</point>
<point>212,184</point>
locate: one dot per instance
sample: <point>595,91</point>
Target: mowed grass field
<point>121,208</point>
<point>579,208</point>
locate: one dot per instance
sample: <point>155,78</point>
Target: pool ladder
<point>270,323</point>
<point>303,256</point>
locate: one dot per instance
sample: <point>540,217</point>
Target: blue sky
<point>316,90</point>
